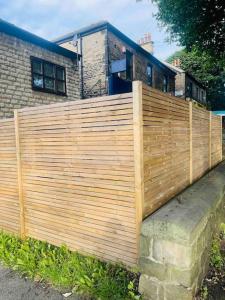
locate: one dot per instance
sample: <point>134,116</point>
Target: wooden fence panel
<point>216,140</point>
<point>9,203</point>
<point>166,138</point>
<point>78,175</point>
<point>200,141</point>
<point>85,173</point>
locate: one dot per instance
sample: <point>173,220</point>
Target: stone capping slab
<point>175,240</point>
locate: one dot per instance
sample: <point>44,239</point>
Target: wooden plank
<point>221,138</point>
<point>19,174</point>
<point>138,154</point>
<point>191,139</point>
<point>210,139</point>
<point>78,169</point>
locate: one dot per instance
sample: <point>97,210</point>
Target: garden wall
<point>176,240</point>
<point>86,173</point>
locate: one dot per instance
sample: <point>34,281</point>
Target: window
<point>165,84</point>
<point>202,96</point>
<point>190,90</point>
<point>197,93</point>
<point>149,74</point>
<point>48,77</point>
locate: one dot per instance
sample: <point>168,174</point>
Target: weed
<point>222,230</point>
<point>65,269</point>
<point>216,258</point>
<point>204,293</point>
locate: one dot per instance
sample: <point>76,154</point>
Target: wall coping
<point>176,240</point>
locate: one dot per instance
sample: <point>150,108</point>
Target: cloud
<point>52,18</point>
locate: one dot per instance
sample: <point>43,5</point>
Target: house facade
<point>34,71</point>
<point>110,61</point>
<point>186,86</point>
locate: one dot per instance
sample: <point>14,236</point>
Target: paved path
<point>13,287</point>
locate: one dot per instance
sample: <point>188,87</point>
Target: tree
<point>209,71</point>
<point>198,23</point>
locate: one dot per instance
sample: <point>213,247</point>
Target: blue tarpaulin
<point>118,66</point>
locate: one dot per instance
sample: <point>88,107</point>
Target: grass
<point>64,269</point>
<point>214,283</point>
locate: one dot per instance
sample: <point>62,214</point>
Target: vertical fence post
<point>210,140</point>
<point>138,153</point>
<point>191,141</point>
<point>221,128</point>
<point>19,175</point>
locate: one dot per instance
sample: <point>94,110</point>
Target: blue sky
<point>52,18</point>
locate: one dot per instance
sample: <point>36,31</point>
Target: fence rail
<point>85,173</point>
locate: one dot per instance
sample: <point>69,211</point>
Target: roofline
<point>24,35</point>
<point>181,71</point>
<point>195,80</point>
<point>106,25</point>
<point>81,32</point>
<point>174,68</point>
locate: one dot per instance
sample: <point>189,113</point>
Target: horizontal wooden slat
<point>78,175</point>
<point>9,204</point>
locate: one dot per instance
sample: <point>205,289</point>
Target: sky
<point>52,18</point>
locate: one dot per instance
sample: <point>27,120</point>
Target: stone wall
<point>15,76</point>
<point>140,64</point>
<point>94,64</point>
<point>99,49</point>
<point>180,85</point>
<point>176,240</point>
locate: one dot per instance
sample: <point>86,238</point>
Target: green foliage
<point>175,55</point>
<point>216,258</point>
<point>65,269</point>
<point>204,292</point>
<point>198,23</point>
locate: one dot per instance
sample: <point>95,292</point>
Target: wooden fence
<point>85,173</point>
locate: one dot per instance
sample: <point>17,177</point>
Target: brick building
<point>186,86</point>
<point>34,71</point>
<point>110,61</point>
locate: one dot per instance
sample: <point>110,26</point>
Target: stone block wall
<point>176,240</point>
<point>140,64</point>
<point>94,64</point>
<point>180,85</point>
<point>15,76</point>
<point>99,49</point>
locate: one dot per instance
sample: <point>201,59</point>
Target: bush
<point>65,269</point>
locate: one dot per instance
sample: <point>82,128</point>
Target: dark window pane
<point>38,81</point>
<point>49,70</point>
<point>49,84</point>
<point>165,84</point>
<point>61,87</point>
<point>149,71</point>
<point>60,74</point>
<point>37,67</point>
<point>149,74</point>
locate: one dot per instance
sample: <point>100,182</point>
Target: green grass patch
<point>64,269</point>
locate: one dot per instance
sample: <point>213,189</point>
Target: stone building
<point>34,71</point>
<point>110,61</point>
<point>186,86</point>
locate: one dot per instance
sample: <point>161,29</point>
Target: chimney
<point>147,43</point>
<point>176,62</point>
